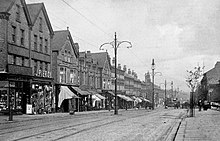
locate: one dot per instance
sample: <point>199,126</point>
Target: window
<point>13,34</point>
<point>46,46</point>
<point>18,13</point>
<point>41,44</point>
<point>26,62</point>
<point>46,66</point>
<point>35,42</point>
<point>40,24</point>
<point>41,66</point>
<point>35,67</point>
<point>11,59</point>
<point>61,75</point>
<point>22,37</point>
<point>18,61</point>
<point>71,76</point>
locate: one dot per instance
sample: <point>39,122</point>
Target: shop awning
<point>100,96</point>
<point>111,93</point>
<point>65,93</point>
<point>96,98</point>
<point>137,99</point>
<point>125,97</point>
<point>80,91</point>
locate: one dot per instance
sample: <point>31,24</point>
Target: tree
<point>192,82</point>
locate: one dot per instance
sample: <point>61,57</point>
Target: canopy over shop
<point>67,99</point>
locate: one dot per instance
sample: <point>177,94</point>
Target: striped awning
<point>80,91</point>
<point>65,93</point>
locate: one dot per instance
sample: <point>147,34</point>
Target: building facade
<point>65,69</point>
<point>25,57</point>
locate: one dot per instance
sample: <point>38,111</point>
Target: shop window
<point>41,44</point>
<point>35,42</point>
<point>13,34</point>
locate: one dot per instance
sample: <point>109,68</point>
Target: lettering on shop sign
<point>43,73</point>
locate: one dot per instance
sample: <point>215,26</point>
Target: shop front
<point>42,99</point>
<point>14,90</point>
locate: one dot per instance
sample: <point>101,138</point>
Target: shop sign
<point>29,109</point>
<point>43,73</point>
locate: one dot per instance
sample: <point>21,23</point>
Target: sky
<point>179,35</point>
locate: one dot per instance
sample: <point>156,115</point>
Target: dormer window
<point>18,12</point>
<point>40,24</point>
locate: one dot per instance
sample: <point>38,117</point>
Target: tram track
<point>115,120</point>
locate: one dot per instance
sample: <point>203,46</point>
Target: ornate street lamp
<point>153,68</point>
<point>115,44</point>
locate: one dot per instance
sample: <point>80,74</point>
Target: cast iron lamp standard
<point>165,94</point>
<point>115,44</point>
<point>153,74</point>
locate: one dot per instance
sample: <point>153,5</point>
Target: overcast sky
<point>178,34</point>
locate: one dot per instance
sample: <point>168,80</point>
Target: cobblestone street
<point>129,125</point>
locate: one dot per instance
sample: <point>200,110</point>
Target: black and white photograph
<point>109,70</point>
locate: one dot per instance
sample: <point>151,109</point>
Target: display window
<point>3,99</point>
<point>42,99</point>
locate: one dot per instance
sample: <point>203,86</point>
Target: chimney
<point>124,68</point>
<point>129,71</point>
<point>77,46</point>
<point>133,73</point>
<point>119,66</point>
<point>67,28</point>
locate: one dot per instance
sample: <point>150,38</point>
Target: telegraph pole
<point>165,102</point>
<point>116,108</point>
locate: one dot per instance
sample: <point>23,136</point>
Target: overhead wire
<point>77,37</point>
<point>109,35</point>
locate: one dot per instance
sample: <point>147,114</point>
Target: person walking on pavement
<point>200,104</point>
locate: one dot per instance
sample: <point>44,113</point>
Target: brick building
<point>65,69</point>
<point>15,68</point>
<point>25,56</point>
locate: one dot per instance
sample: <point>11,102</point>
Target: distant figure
<point>200,104</point>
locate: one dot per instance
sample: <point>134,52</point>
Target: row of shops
<point>38,98</point>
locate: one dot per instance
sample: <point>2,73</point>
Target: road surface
<point>130,125</point>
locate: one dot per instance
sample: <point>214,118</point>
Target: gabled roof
<point>35,9</point>
<point>101,57</point>
<point>59,39</point>
<point>213,75</point>
<point>6,5</point>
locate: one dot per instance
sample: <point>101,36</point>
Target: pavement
<point>204,126</point>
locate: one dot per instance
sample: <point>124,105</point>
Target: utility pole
<point>165,102</point>
<point>116,108</point>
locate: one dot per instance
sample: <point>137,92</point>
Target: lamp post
<point>165,94</point>
<point>115,44</point>
<point>153,67</point>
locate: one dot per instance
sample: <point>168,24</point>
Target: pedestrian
<point>200,104</point>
